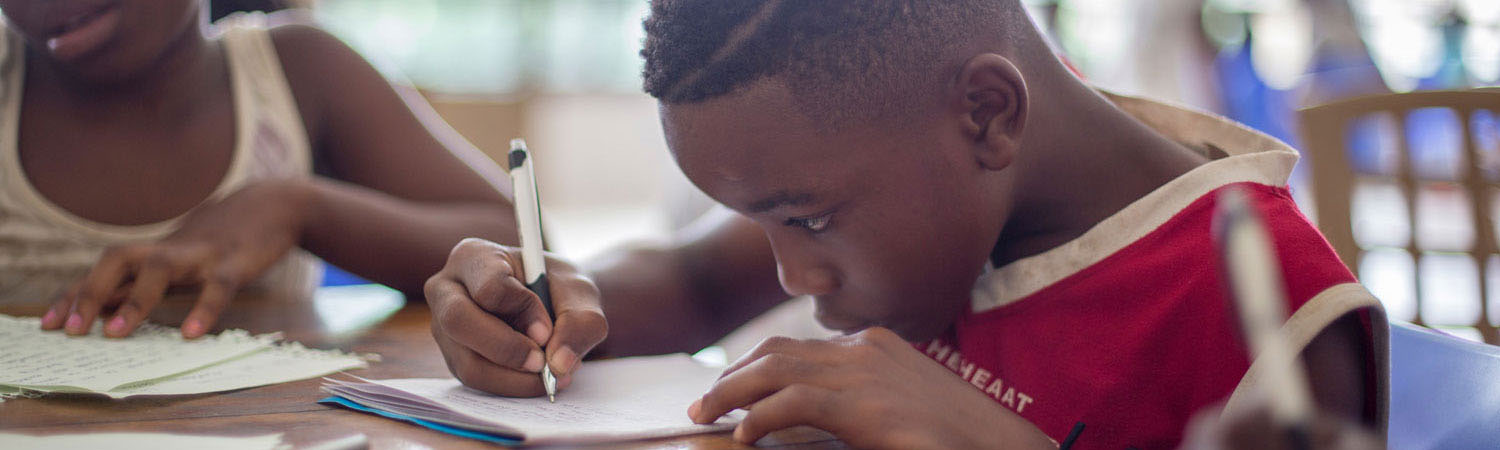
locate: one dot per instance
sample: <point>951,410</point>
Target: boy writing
<point>1011,252</point>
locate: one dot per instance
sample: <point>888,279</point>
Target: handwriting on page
<point>629,398</point>
<point>34,358</point>
<point>277,364</point>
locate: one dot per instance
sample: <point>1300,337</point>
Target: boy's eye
<point>814,224</point>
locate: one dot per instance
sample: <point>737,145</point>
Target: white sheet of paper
<point>615,400</point>
<point>138,441</point>
<point>272,365</point>
<point>53,361</point>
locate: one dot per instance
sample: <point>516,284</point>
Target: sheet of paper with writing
<point>615,400</point>
<point>276,364</point>
<point>154,360</point>
<point>139,441</point>
<point>54,361</point>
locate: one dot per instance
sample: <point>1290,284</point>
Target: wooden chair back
<point>1325,134</point>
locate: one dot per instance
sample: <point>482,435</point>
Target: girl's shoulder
<point>320,69</point>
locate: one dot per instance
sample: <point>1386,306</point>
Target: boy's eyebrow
<point>779,200</point>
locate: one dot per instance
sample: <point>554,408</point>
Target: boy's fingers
<point>478,372</point>
<point>798,404</point>
<point>512,302</point>
<point>578,331</point>
<point>462,321</point>
<point>809,349</point>
<point>150,284</point>
<point>755,382</point>
<point>581,324</point>
<point>491,281</point>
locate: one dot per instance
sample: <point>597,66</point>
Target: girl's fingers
<point>97,289</point>
<point>151,282</point>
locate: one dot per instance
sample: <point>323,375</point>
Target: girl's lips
<point>84,33</point>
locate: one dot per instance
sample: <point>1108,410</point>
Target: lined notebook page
<point>615,400</point>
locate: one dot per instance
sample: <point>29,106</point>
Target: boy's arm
<point>674,298</point>
<point>1336,365</point>
<point>405,187</point>
<point>716,275</point>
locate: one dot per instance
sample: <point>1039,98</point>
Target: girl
<point>143,149</point>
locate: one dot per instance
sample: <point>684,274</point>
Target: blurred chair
<point>1444,393</point>
<point>1325,139</point>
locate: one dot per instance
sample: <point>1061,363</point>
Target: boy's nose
<point>802,278</point>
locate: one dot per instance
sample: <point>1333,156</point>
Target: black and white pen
<point>1255,283</point>
<point>529,226</point>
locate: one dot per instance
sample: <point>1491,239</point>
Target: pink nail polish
<point>192,328</point>
<point>75,323</point>
<point>49,317</point>
<point>117,325</point>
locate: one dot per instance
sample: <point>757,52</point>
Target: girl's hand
<point>219,247</point>
<point>491,329</point>
<point>871,389</point>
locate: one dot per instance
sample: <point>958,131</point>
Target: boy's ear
<point>990,95</point>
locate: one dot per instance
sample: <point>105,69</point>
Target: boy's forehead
<point>756,110</point>
<point>755,144</point>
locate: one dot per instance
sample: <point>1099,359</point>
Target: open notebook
<point>615,400</point>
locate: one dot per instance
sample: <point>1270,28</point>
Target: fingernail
<point>116,326</point>
<point>49,317</point>
<point>562,360</point>
<point>533,362</point>
<point>537,332</point>
<point>192,328</point>
<point>693,409</point>
<point>75,323</point>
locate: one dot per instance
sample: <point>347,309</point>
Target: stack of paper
<point>155,360</point>
<point>622,399</point>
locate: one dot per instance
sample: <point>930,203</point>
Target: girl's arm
<point>407,188</point>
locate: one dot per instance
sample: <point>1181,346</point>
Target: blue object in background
<point>1248,100</point>
<point>334,276</point>
<point>1445,391</point>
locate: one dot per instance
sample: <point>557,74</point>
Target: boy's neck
<point>167,85</point>
<point>1084,160</point>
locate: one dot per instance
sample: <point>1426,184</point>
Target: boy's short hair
<point>832,54</point>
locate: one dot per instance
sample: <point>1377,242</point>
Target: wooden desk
<point>399,333</point>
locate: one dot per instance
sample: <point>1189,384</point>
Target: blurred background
<point>565,75</point>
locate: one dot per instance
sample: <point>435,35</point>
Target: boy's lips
<point>80,30</point>
<point>844,325</point>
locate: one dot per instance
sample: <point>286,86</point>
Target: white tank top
<point>45,249</point>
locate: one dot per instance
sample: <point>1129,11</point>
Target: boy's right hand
<point>491,329</point>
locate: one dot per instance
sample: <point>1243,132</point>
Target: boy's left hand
<point>871,389</point>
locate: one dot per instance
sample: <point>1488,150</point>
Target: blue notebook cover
<point>344,402</point>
